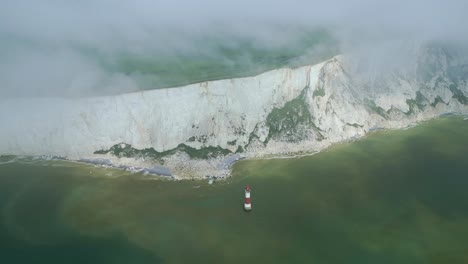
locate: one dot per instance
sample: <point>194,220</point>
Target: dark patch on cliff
<point>129,152</point>
<point>292,122</point>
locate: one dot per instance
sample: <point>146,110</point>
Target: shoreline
<point>163,173</point>
<point>227,172</point>
<point>200,131</point>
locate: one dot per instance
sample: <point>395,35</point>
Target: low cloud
<point>86,48</point>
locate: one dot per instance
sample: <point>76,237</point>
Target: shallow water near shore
<point>393,197</point>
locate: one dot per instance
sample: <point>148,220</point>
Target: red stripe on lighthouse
<point>247,200</point>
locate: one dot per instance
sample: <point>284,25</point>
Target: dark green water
<point>394,197</point>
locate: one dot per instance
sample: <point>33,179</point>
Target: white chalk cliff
<point>191,129</point>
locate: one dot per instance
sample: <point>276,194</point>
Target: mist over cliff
<point>86,48</point>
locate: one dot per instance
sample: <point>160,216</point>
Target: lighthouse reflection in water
<point>247,203</point>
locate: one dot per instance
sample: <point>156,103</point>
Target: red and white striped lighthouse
<point>247,203</point>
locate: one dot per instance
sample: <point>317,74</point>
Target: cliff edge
<point>200,129</point>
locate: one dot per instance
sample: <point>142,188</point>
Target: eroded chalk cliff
<point>194,130</point>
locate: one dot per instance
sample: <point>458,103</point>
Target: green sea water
<point>393,197</point>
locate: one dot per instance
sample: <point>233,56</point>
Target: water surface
<point>393,197</point>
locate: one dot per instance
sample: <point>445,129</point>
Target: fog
<point>69,48</point>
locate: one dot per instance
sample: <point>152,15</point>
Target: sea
<point>395,196</point>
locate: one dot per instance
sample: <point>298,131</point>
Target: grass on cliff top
<point>227,58</point>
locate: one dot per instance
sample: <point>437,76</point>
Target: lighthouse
<point>247,203</point>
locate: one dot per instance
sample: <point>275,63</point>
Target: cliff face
<point>191,129</point>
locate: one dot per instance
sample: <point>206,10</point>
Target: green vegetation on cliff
<point>372,106</point>
<point>419,103</point>
<point>127,151</point>
<point>292,122</point>
<point>457,94</point>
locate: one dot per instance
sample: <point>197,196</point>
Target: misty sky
<point>56,48</point>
